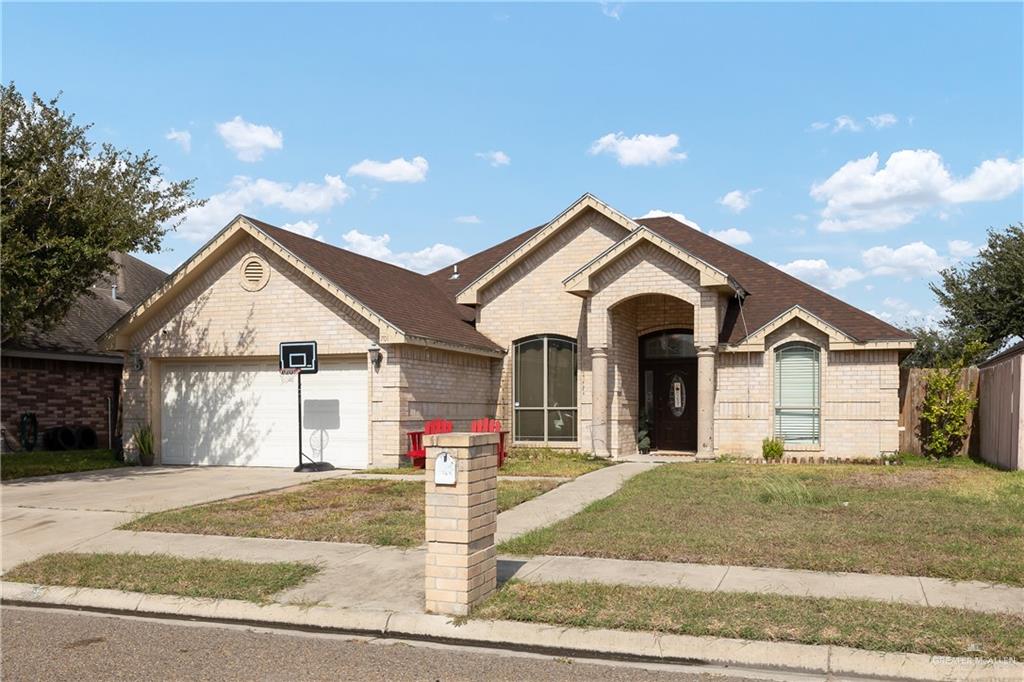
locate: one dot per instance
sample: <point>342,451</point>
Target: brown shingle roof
<point>94,312</point>
<point>406,299</point>
<point>771,292</point>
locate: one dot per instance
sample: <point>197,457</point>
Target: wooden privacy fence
<point>912,387</point>
<point>1000,420</point>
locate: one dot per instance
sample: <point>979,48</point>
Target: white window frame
<point>814,410</point>
<point>545,408</point>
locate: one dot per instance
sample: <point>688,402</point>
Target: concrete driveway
<point>56,513</point>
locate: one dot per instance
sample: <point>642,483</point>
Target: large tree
<point>66,205</point>
<point>942,348</point>
<point>984,299</point>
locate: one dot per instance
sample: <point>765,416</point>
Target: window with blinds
<point>798,394</point>
<point>545,389</point>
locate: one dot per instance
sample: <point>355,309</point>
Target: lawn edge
<point>529,637</point>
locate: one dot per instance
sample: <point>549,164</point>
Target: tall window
<point>798,394</point>
<point>545,389</point>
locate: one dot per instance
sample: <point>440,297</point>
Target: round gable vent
<point>255,273</point>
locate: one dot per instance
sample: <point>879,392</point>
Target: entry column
<point>705,401</point>
<point>462,515</point>
<point>599,400</point>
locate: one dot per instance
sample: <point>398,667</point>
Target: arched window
<point>545,389</point>
<point>798,394</point>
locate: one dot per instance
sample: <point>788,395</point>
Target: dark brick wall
<point>60,392</point>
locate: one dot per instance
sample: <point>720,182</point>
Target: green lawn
<point>523,461</point>
<point>959,520</point>
<point>338,510</point>
<point>863,624</point>
<point>162,574</point>
<point>43,463</point>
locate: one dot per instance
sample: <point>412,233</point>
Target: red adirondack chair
<point>488,425</point>
<point>417,452</point>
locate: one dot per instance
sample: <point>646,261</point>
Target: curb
<point>529,637</point>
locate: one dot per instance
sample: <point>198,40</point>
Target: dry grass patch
<point>961,521</point>
<point>524,461</point>
<point>863,624</point>
<point>163,574</point>
<point>337,510</point>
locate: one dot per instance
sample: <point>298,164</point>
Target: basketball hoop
<point>288,374</point>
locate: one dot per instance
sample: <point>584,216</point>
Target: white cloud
<point>182,137</point>
<point>639,150</point>
<point>468,219</point>
<point>817,272</point>
<point>495,158</point>
<point>658,213</point>
<point>820,125</point>
<point>959,249</point>
<point>395,170</point>
<point>862,196</point>
<point>610,10</point>
<point>883,120</point>
<point>732,236</point>
<point>737,200</point>
<point>427,259</point>
<point>916,259</point>
<point>247,140</point>
<point>306,228</point>
<point>244,193</point>
<point>845,122</point>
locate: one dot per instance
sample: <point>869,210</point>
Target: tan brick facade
<point>646,288</point>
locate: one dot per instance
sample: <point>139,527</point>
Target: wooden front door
<point>674,404</point>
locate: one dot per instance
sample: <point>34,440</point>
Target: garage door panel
<point>243,414</point>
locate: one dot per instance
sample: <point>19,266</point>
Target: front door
<point>668,390</point>
<point>674,420</point>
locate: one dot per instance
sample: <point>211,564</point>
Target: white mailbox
<point>445,469</point>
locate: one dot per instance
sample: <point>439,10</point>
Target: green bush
<point>144,443</point>
<point>946,408</point>
<point>771,449</point>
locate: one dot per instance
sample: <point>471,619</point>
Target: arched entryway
<point>668,389</point>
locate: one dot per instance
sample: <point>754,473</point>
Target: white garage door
<point>241,414</point>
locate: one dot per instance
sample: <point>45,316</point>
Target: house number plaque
<point>445,469</point>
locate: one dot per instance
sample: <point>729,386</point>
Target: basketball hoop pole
<point>299,467</point>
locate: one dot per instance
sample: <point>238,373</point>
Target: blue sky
<point>860,147</point>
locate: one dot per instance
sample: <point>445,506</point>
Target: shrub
<point>643,434</point>
<point>946,408</point>
<point>771,449</point>
<point>144,443</point>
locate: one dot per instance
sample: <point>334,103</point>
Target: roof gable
<point>405,306</point>
<point>470,295</point>
<point>772,292</point>
<point>580,282</point>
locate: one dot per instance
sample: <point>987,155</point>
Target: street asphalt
<point>46,644</point>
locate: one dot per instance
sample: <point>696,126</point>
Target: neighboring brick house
<point>574,334</point>
<point>63,376</point>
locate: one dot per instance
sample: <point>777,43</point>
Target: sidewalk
<point>364,576</point>
<point>974,596</point>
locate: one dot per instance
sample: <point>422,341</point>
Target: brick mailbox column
<point>461,568</point>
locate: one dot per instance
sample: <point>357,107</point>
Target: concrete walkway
<point>364,576</point>
<point>351,575</point>
<point>565,500</point>
<point>974,596</point>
